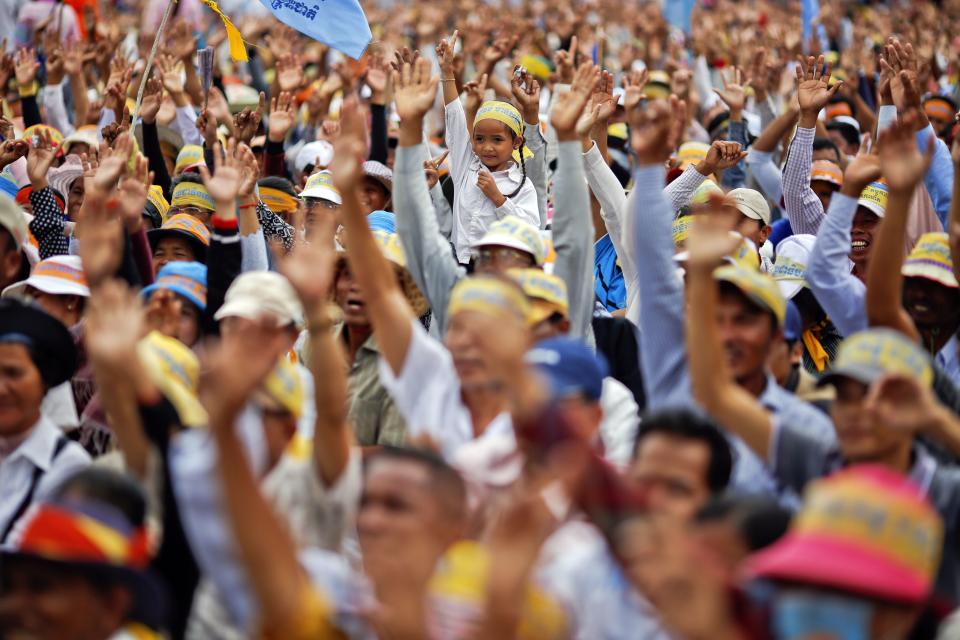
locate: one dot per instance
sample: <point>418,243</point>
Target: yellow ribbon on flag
<point>238,51</point>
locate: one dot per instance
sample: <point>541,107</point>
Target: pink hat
<point>866,530</point>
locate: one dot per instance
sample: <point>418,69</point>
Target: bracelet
<point>29,90</point>
<point>248,206</point>
<point>448,79</point>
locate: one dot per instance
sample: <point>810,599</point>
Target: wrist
<point>178,98</point>
<point>705,169</point>
<point>567,136</point>
<point>38,183</point>
<point>852,189</point>
<point>28,90</point>
<point>411,132</point>
<point>808,119</point>
<point>498,200</point>
<point>531,116</point>
<point>276,136</point>
<point>736,115</point>
<point>378,98</point>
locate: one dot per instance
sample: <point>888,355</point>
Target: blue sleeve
<point>780,230</point>
<point>837,290</point>
<point>662,340</point>
<point>736,176</point>
<point>939,178</point>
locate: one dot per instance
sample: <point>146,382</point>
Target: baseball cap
<point>759,287</point>
<point>930,259</point>
<point>547,293</point>
<point>514,233</point>
<point>874,198</point>
<point>869,355</point>
<point>11,219</point>
<point>379,172</point>
<point>318,153</point>
<point>691,153</point>
<point>826,171</point>
<point>175,369</point>
<point>257,293</point>
<point>849,121</point>
<point>58,275</point>
<point>187,279</point>
<point>320,185</point>
<point>570,367</point>
<point>865,530</point>
<point>751,203</point>
<point>185,226</point>
<point>790,267</point>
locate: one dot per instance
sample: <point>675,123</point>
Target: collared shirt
<point>796,458</point>
<point>36,452</point>
<point>473,211</point>
<point>428,394</point>
<point>373,413</point>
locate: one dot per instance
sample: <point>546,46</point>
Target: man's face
<point>350,299</point>
<point>42,601</point>
<point>172,249</point>
<point>861,439</point>
<point>753,230</point>
<point>496,259</point>
<point>930,304</point>
<point>314,209</point>
<point>861,234</point>
<point>673,473</point>
<point>747,334</point>
<point>468,357</point>
<point>845,147</point>
<point>400,512</point>
<point>373,196</point>
<point>824,191</point>
<point>21,390</point>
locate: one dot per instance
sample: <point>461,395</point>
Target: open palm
<point>416,89</point>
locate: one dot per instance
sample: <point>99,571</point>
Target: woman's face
<point>75,199</point>
<point>188,331</point>
<point>172,249</point>
<point>21,390</point>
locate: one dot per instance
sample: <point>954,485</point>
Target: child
<point>488,168</point>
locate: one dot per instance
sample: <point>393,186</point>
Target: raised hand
<point>224,185</point>
<point>722,155</point>
<point>498,50</point>
<point>290,72</point>
<point>350,147</point>
<point>712,238</point>
<point>250,169</point>
<point>813,89</point>
<point>569,106</point>
<point>445,55</point>
<point>26,67</point>
<point>217,107</point>
<point>152,99</point>
<point>12,150</point>
<point>246,123</point>
<point>120,67</point>
<point>171,74</point>
<point>113,164</point>
<point>54,63</point>
<point>526,91</point>
<point>280,41</point>
<point>132,194</point>
<point>7,65</point>
<point>416,90</point>
<point>180,41</point>
<point>40,158</point>
<point>651,132</point>
<point>903,403</point>
<point>113,325</point>
<point>378,79</point>
<point>759,75</point>
<point>633,86</point>
<point>100,232</point>
<point>207,126</point>
<point>310,268</point>
<point>564,61</point>
<point>282,117</point>
<point>475,90</point>
<point>431,169</point>
<point>902,165</point>
<point>862,170</point>
<point>163,313</point>
<point>734,92</point>
<point>489,187</point>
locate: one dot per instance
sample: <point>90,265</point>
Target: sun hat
<point>320,185</point>
<point>869,355</point>
<point>751,203</point>
<point>865,530</point>
<point>62,178</point>
<point>187,279</point>
<point>759,287</point>
<point>94,537</point>
<point>790,267</point>
<point>826,171</point>
<point>11,219</point>
<point>190,157</point>
<point>930,259</point>
<point>570,366</point>
<point>183,225</point>
<point>318,154</point>
<point>546,292</point>
<point>83,135</point>
<point>379,172</point>
<point>278,194</point>
<point>940,107</point>
<point>49,342</point>
<point>514,233</point>
<point>175,370</point>
<point>490,295</point>
<point>58,275</point>
<point>874,198</point>
<point>255,294</point>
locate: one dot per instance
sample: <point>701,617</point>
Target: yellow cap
<point>490,295</point>
<point>192,194</point>
<point>705,191</point>
<point>546,292</point>
<point>283,388</point>
<point>681,229</point>
<point>691,153</point>
<point>191,155</point>
<point>175,370</point>
<point>158,200</point>
<point>514,233</point>
<point>759,287</point>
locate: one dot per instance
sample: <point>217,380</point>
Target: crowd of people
<point>540,320</point>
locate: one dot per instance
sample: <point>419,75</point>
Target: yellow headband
<point>489,295</point>
<point>278,201</point>
<point>502,112</point>
<point>156,198</point>
<point>192,194</point>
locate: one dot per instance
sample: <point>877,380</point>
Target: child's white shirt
<point>473,211</point>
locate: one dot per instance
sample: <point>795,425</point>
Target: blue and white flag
<point>341,24</point>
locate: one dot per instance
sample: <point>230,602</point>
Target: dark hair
<point>847,131</point>
<point>836,99</point>
<point>278,183</point>
<point>186,176</point>
<point>686,424</point>
<point>826,143</point>
<point>109,487</point>
<point>445,481</point>
<point>760,521</point>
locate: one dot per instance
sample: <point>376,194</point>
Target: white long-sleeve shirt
<point>473,211</point>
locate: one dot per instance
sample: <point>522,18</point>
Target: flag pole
<point>153,53</point>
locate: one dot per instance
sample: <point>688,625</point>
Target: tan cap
<point>11,219</point>
<point>262,293</point>
<point>751,204</point>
